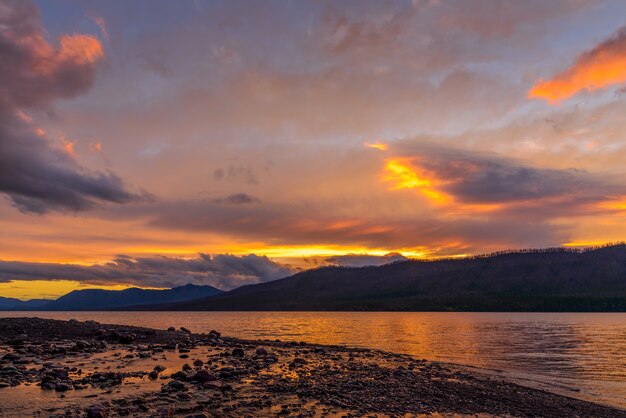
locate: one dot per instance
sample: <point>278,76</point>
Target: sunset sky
<point>156,143</point>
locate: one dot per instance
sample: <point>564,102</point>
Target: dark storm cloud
<point>36,176</point>
<point>224,271</point>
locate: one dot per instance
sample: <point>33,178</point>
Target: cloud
<point>602,66</point>
<point>236,173</point>
<point>361,260</point>
<point>224,271</point>
<point>36,176</point>
<point>319,224</point>
<point>99,20</point>
<point>238,199</point>
<point>454,176</point>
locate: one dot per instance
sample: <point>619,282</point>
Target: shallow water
<point>579,354</point>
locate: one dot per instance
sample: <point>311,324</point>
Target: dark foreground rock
<point>95,370</point>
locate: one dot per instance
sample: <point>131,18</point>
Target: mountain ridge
<point>13,303</point>
<point>102,299</point>
<point>554,279</point>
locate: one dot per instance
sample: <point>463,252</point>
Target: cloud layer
<point>223,271</point>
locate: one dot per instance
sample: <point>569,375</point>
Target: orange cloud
<point>81,49</point>
<point>68,145</point>
<point>69,148</point>
<point>600,67</point>
<point>405,175</point>
<point>377,145</point>
<point>95,146</point>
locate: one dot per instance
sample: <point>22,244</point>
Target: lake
<point>581,355</point>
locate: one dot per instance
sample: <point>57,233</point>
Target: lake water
<point>581,355</point>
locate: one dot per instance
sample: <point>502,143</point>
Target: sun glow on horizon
<point>49,289</point>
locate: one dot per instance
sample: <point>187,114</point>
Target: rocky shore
<point>53,368</point>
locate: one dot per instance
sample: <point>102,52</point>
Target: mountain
<point>532,280</point>
<point>11,303</point>
<point>99,299</point>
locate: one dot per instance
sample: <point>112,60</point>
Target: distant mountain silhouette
<point>531,280</point>
<point>11,303</point>
<point>99,299</point>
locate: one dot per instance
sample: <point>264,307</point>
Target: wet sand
<point>71,368</point>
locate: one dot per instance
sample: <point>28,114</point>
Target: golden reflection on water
<point>583,352</point>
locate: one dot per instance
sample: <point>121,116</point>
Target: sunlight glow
<point>405,175</point>
<point>584,243</point>
<point>377,145</point>
<point>48,289</point>
<point>326,251</point>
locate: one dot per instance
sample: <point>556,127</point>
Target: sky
<point>157,143</point>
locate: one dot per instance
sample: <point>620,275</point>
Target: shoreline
<point>102,370</point>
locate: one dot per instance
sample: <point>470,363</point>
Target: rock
<point>16,342</point>
<point>4,384</point>
<point>185,330</point>
<point>175,385</point>
<point>216,384</point>
<point>81,345</point>
<point>261,351</point>
<point>48,385</point>
<point>166,412</point>
<point>179,375</point>
<point>214,334</point>
<point>184,356</point>
<point>197,416</point>
<point>159,368</point>
<point>9,370</point>
<point>237,352</point>
<point>126,338</point>
<point>297,362</point>
<point>97,412</point>
<point>204,376</point>
<point>62,387</point>
<point>11,357</point>
<point>171,329</point>
<point>198,363</point>
<point>153,375</point>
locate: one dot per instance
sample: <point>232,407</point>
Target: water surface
<point>579,354</point>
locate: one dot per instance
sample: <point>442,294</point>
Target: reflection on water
<point>582,352</point>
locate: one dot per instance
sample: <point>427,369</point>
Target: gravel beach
<point>51,368</point>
